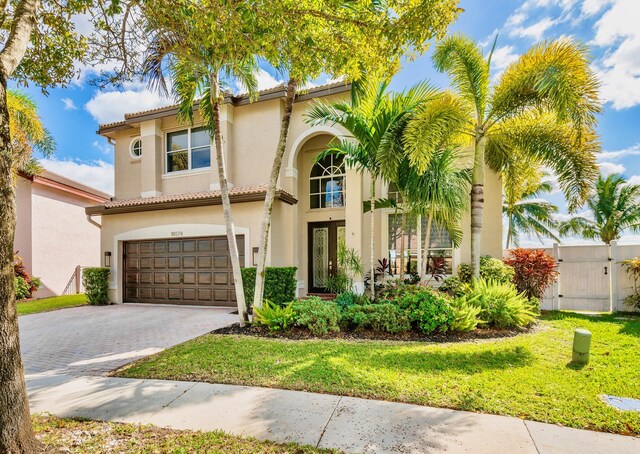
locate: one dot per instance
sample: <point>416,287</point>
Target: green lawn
<point>51,304</point>
<point>67,435</point>
<point>528,376</point>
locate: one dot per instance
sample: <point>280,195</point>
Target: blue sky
<point>609,27</point>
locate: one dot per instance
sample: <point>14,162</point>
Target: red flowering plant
<point>25,284</point>
<point>535,271</point>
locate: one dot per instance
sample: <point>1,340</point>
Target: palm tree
<point>28,134</point>
<point>615,208</point>
<point>526,213</point>
<point>544,104</point>
<point>375,119</point>
<point>440,194</point>
<point>198,76</point>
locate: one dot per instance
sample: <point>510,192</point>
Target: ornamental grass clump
<point>500,304</point>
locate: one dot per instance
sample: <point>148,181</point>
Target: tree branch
<point>23,23</point>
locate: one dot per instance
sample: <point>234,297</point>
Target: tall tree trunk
<point>425,249</point>
<point>271,193</point>
<point>226,203</point>
<point>372,200</point>
<point>16,432</point>
<point>477,203</point>
<point>509,230</point>
<point>403,225</point>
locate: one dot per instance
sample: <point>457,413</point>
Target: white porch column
<point>152,157</point>
<point>226,124</point>
<point>353,218</point>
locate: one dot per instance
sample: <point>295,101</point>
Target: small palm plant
<point>614,205</point>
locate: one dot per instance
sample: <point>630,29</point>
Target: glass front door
<point>324,238</point>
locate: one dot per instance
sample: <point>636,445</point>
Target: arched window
<point>327,182</point>
<point>136,148</point>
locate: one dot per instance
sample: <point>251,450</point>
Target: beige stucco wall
<point>53,235</point>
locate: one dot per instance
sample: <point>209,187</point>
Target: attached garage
<point>189,271</point>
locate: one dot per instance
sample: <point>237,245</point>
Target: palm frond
<point>462,59</point>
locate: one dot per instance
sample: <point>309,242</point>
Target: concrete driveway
<point>93,340</point>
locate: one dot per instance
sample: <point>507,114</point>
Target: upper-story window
<point>188,149</point>
<point>136,148</point>
<point>327,182</point>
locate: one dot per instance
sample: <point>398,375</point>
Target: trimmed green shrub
<point>491,269</point>
<point>534,271</point>
<point>344,300</point>
<point>279,284</point>
<point>96,284</point>
<point>319,316</point>
<point>428,309</point>
<point>501,305</point>
<point>386,317</point>
<point>452,285</point>
<point>274,316</point>
<point>466,314</point>
<point>22,287</point>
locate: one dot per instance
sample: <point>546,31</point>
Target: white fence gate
<point>591,277</point>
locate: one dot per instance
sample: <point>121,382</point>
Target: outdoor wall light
<point>107,259</point>
<point>255,256</point>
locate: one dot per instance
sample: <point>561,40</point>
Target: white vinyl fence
<point>591,277</point>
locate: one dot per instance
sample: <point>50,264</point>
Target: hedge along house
<point>163,234</point>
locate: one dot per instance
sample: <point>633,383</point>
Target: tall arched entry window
<point>326,182</point>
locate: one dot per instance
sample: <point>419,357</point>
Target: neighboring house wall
<point>53,235</point>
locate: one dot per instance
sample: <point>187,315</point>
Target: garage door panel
<point>180,271</point>
<point>189,246</point>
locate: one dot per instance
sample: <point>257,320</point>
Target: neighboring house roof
<point>193,199</point>
<point>263,95</point>
<point>51,179</point>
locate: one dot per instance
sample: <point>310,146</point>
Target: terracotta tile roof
<point>237,194</point>
<point>234,98</point>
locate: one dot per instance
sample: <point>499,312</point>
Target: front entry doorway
<point>324,238</point>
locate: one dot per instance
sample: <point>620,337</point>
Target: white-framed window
<point>188,149</point>
<point>136,148</point>
<point>406,241</point>
<point>326,183</point>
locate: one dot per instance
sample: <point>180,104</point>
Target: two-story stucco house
<point>164,232</point>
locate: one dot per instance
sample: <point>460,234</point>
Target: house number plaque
<point>177,233</point>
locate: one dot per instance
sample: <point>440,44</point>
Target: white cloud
<point>633,150</point>
<point>69,104</point>
<point>619,70</point>
<point>607,168</point>
<point>264,79</point>
<point>503,57</point>
<point>635,180</point>
<point>591,7</point>
<point>96,174</point>
<point>110,106</point>
<point>535,31</point>
<point>102,146</point>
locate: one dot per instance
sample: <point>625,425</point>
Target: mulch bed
<point>410,336</point>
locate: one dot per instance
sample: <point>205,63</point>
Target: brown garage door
<point>195,271</point>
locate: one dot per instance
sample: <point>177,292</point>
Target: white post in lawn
<point>613,276</point>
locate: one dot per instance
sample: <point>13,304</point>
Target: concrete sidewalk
<point>350,424</point>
